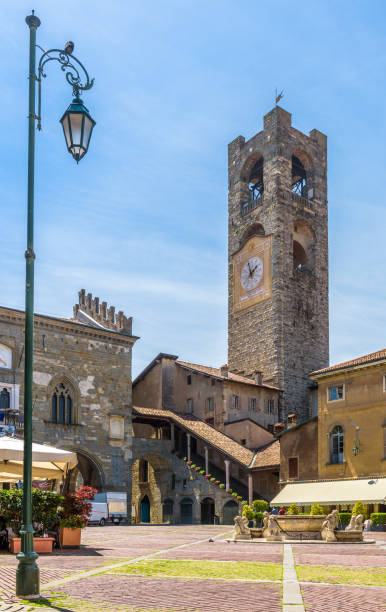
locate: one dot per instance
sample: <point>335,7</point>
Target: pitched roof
<point>264,458</point>
<point>376,356</point>
<point>216,372</point>
<point>267,456</point>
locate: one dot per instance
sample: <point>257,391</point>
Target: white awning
<point>368,491</point>
<point>48,462</point>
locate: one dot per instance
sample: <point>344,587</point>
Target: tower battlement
<point>101,313</point>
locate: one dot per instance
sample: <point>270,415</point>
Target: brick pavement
<point>104,547</point>
<point>338,598</point>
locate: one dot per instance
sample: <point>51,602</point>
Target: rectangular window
<point>252,404</point>
<point>213,382</point>
<point>189,379</point>
<point>189,406</point>
<point>271,406</point>
<point>209,404</point>
<point>335,393</point>
<point>235,401</point>
<point>293,467</point>
<point>243,441</point>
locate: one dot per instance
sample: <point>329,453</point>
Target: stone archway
<point>151,475</point>
<point>145,509</point>
<point>207,511</point>
<point>87,472</point>
<point>229,511</point>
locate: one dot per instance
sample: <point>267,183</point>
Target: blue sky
<point>142,221</point>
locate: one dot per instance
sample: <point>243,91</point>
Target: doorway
<point>207,511</point>
<point>145,510</point>
<point>186,511</point>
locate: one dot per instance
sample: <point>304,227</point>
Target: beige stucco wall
<point>363,406</point>
<point>148,392</point>
<point>253,434</point>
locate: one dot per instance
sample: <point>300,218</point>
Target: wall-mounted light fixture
<point>357,444</point>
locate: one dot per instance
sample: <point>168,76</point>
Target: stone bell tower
<point>278,257</point>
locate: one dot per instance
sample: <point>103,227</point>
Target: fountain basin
<point>297,527</point>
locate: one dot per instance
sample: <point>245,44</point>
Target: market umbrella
<point>48,462</point>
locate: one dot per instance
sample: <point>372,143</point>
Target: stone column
<point>227,462</point>
<point>250,488</point>
<point>189,447</point>
<point>206,460</point>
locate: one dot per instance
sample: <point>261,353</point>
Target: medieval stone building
<point>82,387</point>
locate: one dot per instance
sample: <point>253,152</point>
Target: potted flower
<point>74,514</point>
<point>212,479</point>
<point>202,472</point>
<point>217,482</point>
<point>189,463</point>
<point>222,486</point>
<point>208,476</point>
<point>197,468</point>
<point>239,498</point>
<point>229,491</point>
<point>44,513</point>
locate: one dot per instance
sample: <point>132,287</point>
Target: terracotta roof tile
<point>269,455</point>
<point>376,356</point>
<point>195,367</point>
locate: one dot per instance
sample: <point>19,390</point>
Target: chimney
<point>291,420</point>
<point>258,376</point>
<point>278,428</point>
<point>224,370</point>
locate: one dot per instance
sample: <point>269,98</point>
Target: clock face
<point>252,273</point>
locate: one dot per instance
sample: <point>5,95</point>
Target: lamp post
<point>77,125</point>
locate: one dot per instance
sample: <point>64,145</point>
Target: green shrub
<point>378,518</point>
<point>185,458</point>
<point>259,505</point>
<point>202,472</point>
<point>316,509</point>
<point>293,509</point>
<point>359,508</point>
<point>193,465</point>
<point>73,522</point>
<point>234,494</point>
<point>212,479</point>
<point>244,502</point>
<point>248,512</point>
<point>222,486</point>
<point>44,509</point>
<point>258,517</point>
<point>344,518</point>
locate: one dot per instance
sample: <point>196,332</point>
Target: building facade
<point>278,258</point>
<point>82,387</point>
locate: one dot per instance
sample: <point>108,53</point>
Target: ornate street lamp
<point>79,126</point>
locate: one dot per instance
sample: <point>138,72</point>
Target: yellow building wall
<point>363,407</point>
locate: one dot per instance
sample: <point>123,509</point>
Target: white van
<point>99,512</point>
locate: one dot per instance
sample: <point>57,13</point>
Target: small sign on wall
<point>117,427</point>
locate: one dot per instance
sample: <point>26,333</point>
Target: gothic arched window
<point>4,404</point>
<point>62,405</point>
<point>336,444</point>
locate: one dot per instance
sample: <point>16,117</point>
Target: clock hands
<point>251,272</point>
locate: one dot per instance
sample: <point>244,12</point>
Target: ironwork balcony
<point>246,207</point>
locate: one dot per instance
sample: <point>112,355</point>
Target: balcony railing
<point>246,207</point>
<point>301,198</point>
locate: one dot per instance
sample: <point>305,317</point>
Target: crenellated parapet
<point>101,313</point>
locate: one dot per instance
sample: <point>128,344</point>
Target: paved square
<point>176,569</point>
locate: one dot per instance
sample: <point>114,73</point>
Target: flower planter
<point>70,538</point>
<point>41,545</point>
